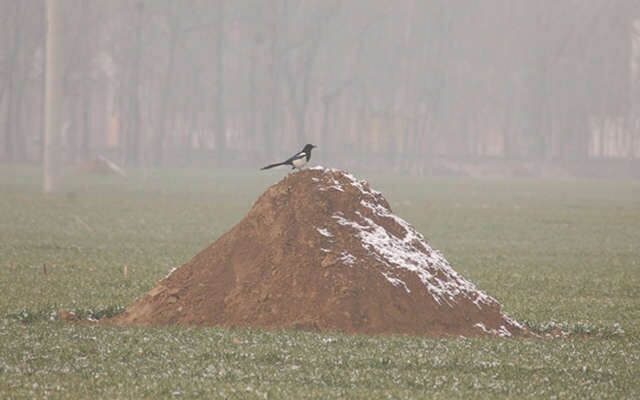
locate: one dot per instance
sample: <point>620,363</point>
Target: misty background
<point>507,87</point>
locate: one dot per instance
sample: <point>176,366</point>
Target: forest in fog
<point>374,83</point>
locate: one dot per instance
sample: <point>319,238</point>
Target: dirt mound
<point>321,250</point>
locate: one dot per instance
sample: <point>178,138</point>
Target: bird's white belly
<point>299,163</point>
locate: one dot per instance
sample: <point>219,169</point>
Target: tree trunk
<point>251,124</point>
<point>86,129</point>
<point>161,131</point>
<point>324,130</point>
<point>133,145</point>
<point>218,99</point>
<point>15,88</point>
<point>272,94</point>
<point>52,90</point>
<point>8,130</point>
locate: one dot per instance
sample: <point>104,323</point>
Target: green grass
<point>554,254</point>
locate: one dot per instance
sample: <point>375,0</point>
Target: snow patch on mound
<point>395,281</point>
<point>171,271</point>
<point>410,252</point>
<point>347,258</point>
<point>324,232</point>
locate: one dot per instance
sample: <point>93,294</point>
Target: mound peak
<point>321,250</point>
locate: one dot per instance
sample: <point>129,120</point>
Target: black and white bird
<point>298,160</point>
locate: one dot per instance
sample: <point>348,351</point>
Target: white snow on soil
<point>409,251</point>
<point>361,185</point>
<point>396,281</point>
<point>412,253</point>
<point>502,331</point>
<point>332,184</point>
<point>324,232</point>
<point>347,258</point>
<point>171,271</point>
<point>512,321</point>
<point>335,185</point>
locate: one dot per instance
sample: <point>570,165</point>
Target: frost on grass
<point>581,328</point>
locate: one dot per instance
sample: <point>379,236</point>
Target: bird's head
<point>308,147</point>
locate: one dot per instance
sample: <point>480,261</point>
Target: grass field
<point>553,253</point>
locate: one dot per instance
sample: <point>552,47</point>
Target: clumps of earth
<point>320,250</point>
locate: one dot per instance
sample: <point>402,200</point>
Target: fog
<point>431,87</point>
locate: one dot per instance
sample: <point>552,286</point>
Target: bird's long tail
<point>272,165</point>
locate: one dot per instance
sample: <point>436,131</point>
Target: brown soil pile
<point>320,250</point>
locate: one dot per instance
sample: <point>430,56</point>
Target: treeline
<point>156,82</point>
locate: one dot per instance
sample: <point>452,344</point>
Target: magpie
<point>296,161</point>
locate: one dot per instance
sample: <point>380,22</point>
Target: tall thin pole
<point>51,94</point>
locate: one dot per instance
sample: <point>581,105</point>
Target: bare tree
<point>52,124</point>
<point>219,93</point>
